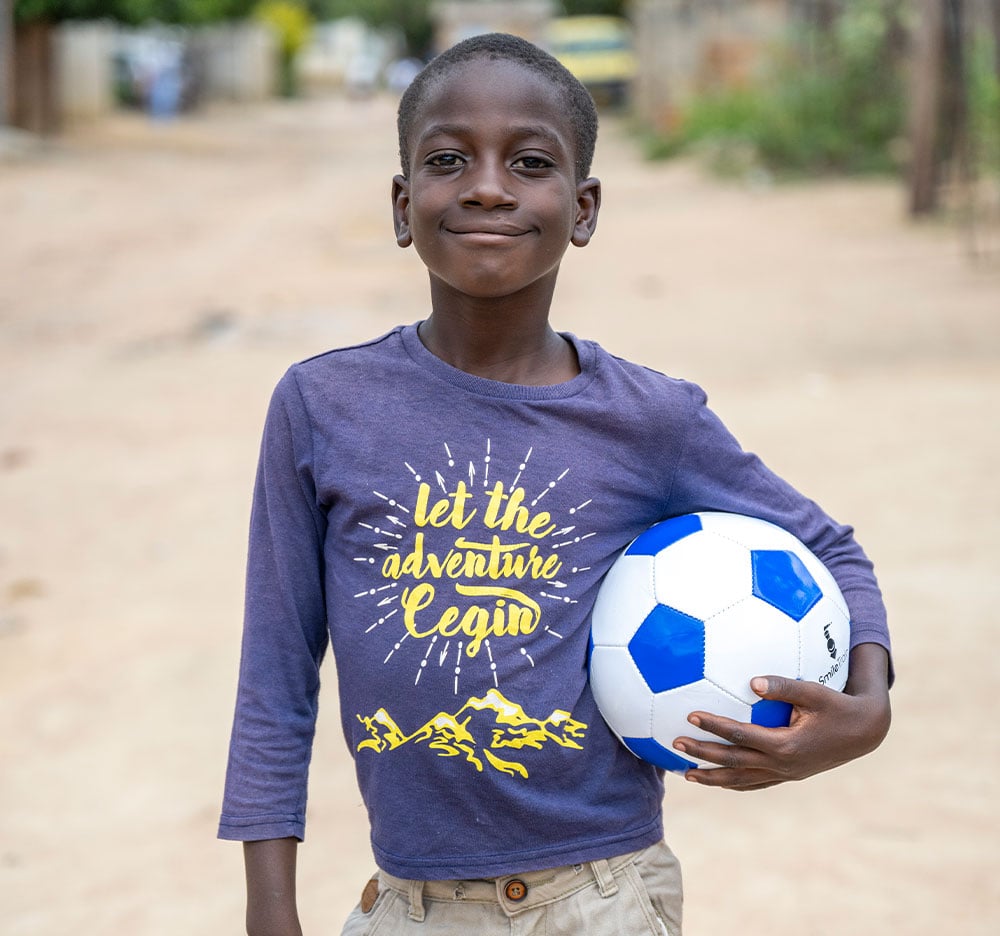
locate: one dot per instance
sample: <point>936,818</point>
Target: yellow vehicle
<point>598,50</point>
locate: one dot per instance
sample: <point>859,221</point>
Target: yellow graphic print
<point>481,726</point>
<point>470,560</point>
<point>497,611</point>
<point>465,566</point>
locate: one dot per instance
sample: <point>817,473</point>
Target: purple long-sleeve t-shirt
<point>447,534</point>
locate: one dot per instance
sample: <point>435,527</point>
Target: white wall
<point>84,79</point>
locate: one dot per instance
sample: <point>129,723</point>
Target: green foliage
<point>291,23</point>
<point>984,104</point>
<point>832,102</point>
<point>289,20</point>
<point>27,10</point>
<point>196,11</point>
<point>133,11</point>
<point>594,7</point>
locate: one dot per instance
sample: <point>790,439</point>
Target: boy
<point>441,504</point>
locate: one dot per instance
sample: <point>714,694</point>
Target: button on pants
<point>638,894</point>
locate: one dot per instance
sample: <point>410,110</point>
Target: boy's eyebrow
<point>521,132</point>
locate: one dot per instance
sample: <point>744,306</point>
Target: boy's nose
<point>487,189</point>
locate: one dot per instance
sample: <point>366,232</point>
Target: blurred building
<point>84,75</point>
<point>455,20</point>
<point>348,55</point>
<point>680,46</point>
<point>687,46</point>
<point>54,73</point>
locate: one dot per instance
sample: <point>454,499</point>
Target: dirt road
<point>154,283</point>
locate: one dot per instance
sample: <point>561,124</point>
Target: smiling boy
<point>440,505</point>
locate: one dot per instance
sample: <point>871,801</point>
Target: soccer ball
<point>692,610</point>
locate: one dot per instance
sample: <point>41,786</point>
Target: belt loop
<point>416,901</point>
<point>606,882</point>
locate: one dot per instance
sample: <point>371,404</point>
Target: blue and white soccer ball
<point>695,608</point>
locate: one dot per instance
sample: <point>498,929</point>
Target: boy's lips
<point>487,231</point>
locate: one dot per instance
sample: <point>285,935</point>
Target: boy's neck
<point>499,344</point>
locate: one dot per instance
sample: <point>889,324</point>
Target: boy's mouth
<point>488,233</point>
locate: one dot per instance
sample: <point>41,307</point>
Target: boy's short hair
<point>580,107</point>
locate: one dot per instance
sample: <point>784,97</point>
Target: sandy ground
<point>155,282</point>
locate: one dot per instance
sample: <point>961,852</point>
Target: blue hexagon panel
<point>656,753</point>
<point>663,535</point>
<point>771,713</point>
<point>781,579</point>
<point>669,649</point>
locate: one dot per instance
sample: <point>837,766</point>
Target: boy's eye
<point>532,162</point>
<point>444,160</point>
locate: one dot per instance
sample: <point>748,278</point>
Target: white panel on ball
<point>702,574</point>
<point>747,640</point>
<point>621,694</point>
<point>753,533</point>
<point>624,601</point>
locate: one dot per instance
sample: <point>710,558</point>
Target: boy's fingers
<point>741,734</point>
<point>798,692</point>
<point>740,780</point>
<point>741,752</point>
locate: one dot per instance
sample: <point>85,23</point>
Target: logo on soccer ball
<point>831,644</point>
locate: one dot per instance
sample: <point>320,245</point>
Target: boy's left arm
<point>827,728</point>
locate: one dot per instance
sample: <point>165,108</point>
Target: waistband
<point>514,893</point>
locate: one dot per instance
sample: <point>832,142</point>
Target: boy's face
<point>492,201</point>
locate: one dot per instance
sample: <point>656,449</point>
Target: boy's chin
<point>486,287</point>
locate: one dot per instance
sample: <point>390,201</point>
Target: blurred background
<point>801,212</point>
<point>791,85</point>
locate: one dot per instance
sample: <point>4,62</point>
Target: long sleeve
<point>715,473</point>
<point>284,634</point>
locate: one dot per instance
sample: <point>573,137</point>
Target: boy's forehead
<point>487,91</point>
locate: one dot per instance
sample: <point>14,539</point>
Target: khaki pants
<point>638,894</point>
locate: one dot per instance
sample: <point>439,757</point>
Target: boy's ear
<point>588,204</point>
<point>401,210</point>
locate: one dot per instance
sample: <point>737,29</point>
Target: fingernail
<point>758,684</point>
<point>695,720</point>
<point>681,746</point>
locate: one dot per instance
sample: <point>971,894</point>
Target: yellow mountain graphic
<point>385,733</point>
<point>480,726</point>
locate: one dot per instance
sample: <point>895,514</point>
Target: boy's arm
<point>270,871</point>
<point>827,728</point>
<point>284,635</point>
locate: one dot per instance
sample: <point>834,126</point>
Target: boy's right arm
<point>270,871</point>
<point>284,639</point>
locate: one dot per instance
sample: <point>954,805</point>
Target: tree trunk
<point>35,106</point>
<point>6,61</point>
<point>928,60</point>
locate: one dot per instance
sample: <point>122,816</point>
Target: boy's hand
<point>827,729</point>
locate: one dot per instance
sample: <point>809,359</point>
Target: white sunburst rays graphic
<point>565,538</point>
<point>385,539</point>
<point>448,654</point>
